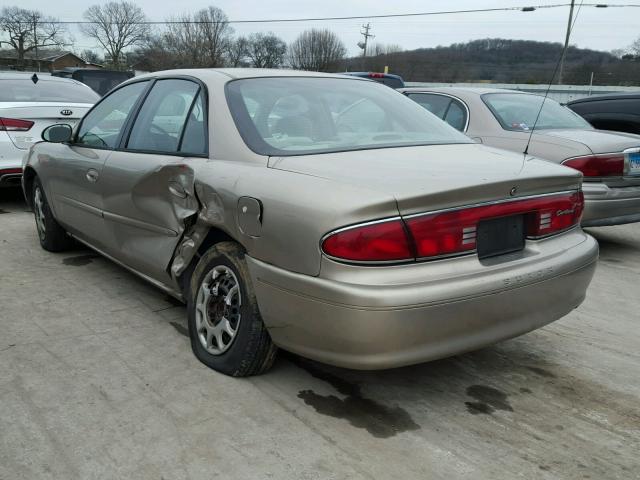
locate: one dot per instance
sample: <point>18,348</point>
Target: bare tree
<point>116,26</point>
<point>201,40</point>
<point>154,55</point>
<point>635,48</point>
<point>318,50</point>
<point>266,50</point>
<point>237,52</point>
<point>385,49</point>
<point>28,30</point>
<point>91,56</point>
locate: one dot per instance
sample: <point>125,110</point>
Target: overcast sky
<point>600,29</point>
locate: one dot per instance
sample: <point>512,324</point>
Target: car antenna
<point>555,70</point>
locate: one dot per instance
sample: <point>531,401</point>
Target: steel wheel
<point>38,204</point>
<point>217,310</point>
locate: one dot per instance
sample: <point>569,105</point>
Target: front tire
<point>225,327</point>
<point>52,236</point>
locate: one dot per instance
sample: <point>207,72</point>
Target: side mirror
<point>57,133</point>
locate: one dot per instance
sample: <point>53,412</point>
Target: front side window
<point>162,118</point>
<point>301,115</point>
<point>518,112</point>
<point>102,126</point>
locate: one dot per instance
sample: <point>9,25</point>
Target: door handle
<point>92,175</point>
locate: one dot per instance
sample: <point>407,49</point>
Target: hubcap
<point>38,201</point>
<point>218,310</point>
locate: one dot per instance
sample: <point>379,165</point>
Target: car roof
<point>610,96</point>
<point>462,90</point>
<point>42,77</point>
<point>238,73</point>
<point>366,74</point>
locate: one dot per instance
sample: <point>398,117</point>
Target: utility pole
<point>363,45</point>
<point>566,41</point>
<point>35,40</point>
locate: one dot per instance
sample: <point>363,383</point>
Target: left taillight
<point>15,125</point>
<point>600,165</point>
<point>10,171</point>
<point>384,241</point>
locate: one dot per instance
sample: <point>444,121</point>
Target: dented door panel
<point>147,202</point>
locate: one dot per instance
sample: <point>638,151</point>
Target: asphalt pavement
<point>97,381</point>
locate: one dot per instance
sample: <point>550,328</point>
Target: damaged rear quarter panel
<point>298,210</point>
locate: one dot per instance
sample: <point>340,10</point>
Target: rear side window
<point>166,111</point>
<point>24,90</point>
<point>194,138</point>
<point>456,115</point>
<point>436,104</point>
<point>102,126</point>
<point>449,109</point>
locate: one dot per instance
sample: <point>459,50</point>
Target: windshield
<point>295,116</point>
<point>517,112</point>
<point>58,91</point>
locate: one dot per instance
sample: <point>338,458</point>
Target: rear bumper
<point>10,159</point>
<point>605,205</point>
<point>383,326</point>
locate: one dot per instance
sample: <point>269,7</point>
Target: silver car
<point>29,104</point>
<point>609,161</point>
<point>329,216</point>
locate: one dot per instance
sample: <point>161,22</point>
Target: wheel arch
<point>211,236</point>
<point>28,176</point>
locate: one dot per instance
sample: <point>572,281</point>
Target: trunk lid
<point>435,177</point>
<point>598,141</point>
<point>42,115</point>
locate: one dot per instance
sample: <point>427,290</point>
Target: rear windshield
<point>518,112</point>
<point>295,116</point>
<point>45,91</point>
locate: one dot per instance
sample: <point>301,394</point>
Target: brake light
<point>454,232</point>
<point>375,242</point>
<point>604,165</point>
<point>15,125</point>
<point>450,232</point>
<point>10,171</point>
<point>376,75</point>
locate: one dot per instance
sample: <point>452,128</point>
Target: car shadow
<point>388,402</point>
<point>12,200</point>
<point>614,245</point>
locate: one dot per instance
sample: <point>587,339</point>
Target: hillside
<point>503,61</point>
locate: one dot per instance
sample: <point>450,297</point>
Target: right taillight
<point>602,165</point>
<point>450,232</point>
<point>15,125</point>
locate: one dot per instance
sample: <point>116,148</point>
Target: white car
<point>28,104</point>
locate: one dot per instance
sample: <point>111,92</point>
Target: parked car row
<point>609,161</point>
<point>29,104</point>
<point>329,215</point>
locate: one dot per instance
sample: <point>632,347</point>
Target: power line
<point>360,17</point>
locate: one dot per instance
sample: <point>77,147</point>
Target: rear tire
<point>225,327</point>
<point>52,236</point>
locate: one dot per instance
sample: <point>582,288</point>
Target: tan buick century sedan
<point>609,161</point>
<point>329,216</point>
